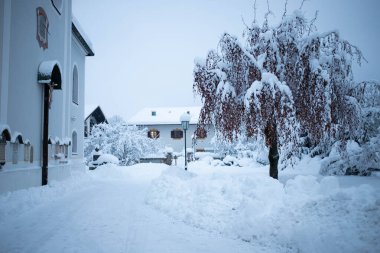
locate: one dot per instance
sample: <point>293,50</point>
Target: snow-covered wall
<point>77,110</point>
<point>21,54</point>
<point>178,144</point>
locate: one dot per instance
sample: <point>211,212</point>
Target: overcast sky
<point>145,49</point>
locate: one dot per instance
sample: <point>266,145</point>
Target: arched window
<point>153,133</point>
<point>75,143</point>
<point>75,86</point>
<point>176,134</point>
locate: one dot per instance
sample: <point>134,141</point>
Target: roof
<point>164,115</point>
<point>81,36</point>
<point>96,112</point>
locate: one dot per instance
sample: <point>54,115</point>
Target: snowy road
<point>103,215</point>
<point>154,208</point>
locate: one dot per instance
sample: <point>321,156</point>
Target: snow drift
<point>303,215</point>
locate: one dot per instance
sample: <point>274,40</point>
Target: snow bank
<point>303,215</point>
<point>18,202</point>
<point>107,158</point>
<point>15,203</point>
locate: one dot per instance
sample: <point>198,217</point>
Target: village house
<point>94,115</point>
<point>163,123</point>
<point>42,67</point>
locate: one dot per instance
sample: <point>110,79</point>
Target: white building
<point>164,124</point>
<point>94,115</point>
<point>42,62</point>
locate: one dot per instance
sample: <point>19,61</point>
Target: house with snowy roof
<point>163,123</point>
<point>94,115</point>
<point>42,66</point>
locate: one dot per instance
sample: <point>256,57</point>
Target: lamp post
<point>185,119</point>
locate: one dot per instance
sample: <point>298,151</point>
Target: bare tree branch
<point>302,3</point>
<point>285,9</point>
<point>312,22</point>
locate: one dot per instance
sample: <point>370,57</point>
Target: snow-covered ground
<point>209,208</point>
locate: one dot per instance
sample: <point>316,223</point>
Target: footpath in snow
<point>210,208</point>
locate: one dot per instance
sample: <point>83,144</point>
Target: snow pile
<point>357,160</point>
<point>107,158</point>
<point>302,215</point>
<point>18,202</point>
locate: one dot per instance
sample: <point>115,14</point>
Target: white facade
<point>167,119</point>
<point>23,60</point>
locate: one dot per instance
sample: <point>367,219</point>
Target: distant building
<point>164,124</point>
<point>94,116</point>
<point>42,66</point>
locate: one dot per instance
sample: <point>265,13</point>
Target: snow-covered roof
<point>90,109</point>
<point>59,141</point>
<point>164,115</point>
<point>82,37</point>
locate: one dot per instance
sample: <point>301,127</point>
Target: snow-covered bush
<point>368,96</point>
<point>127,143</point>
<point>107,158</point>
<point>356,160</point>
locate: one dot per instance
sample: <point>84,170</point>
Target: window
<point>58,5</point>
<point>75,144</point>
<point>27,152</point>
<point>154,113</point>
<point>176,134</point>
<point>42,28</point>
<point>75,86</point>
<point>3,143</point>
<point>66,150</point>
<point>153,134</point>
<point>15,153</point>
<point>31,154</point>
<point>201,133</point>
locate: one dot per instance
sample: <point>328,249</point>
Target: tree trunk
<point>271,141</point>
<point>273,160</point>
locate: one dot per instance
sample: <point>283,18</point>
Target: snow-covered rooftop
<point>82,37</point>
<point>164,115</point>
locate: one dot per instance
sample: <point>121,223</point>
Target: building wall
<point>25,95</point>
<point>77,110</point>
<point>22,96</point>
<point>5,21</point>
<point>178,144</point>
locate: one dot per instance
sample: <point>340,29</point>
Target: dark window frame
<point>176,134</point>
<point>153,133</point>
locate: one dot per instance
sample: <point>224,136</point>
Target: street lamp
<point>185,119</point>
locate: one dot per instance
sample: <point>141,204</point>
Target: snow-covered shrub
<point>127,143</point>
<point>230,160</point>
<point>368,96</point>
<point>107,158</point>
<point>356,160</point>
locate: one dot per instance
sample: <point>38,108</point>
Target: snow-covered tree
<point>285,82</point>
<point>368,95</point>
<point>127,143</point>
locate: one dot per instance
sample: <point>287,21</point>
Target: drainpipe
<point>45,136</point>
